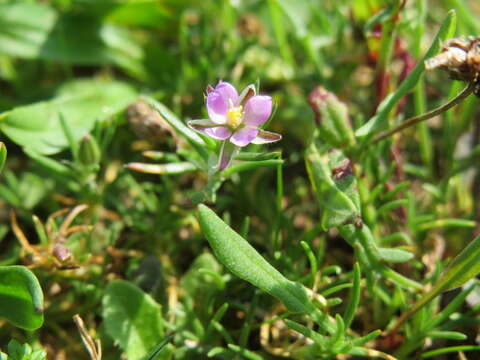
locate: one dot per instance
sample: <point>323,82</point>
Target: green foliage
<point>132,318</point>
<point>31,30</point>
<point>464,266</point>
<point>81,103</point>
<point>337,193</point>
<point>245,262</point>
<point>21,297</point>
<point>316,244</point>
<point>3,155</point>
<point>157,350</point>
<point>447,30</point>
<point>331,116</point>
<point>17,351</point>
<point>89,151</point>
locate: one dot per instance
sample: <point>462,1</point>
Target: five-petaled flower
<point>235,119</point>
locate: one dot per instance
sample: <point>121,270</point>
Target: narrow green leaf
<point>40,230</point>
<point>132,318</point>
<point>245,262</point>
<point>253,156</point>
<point>380,17</point>
<point>197,283</point>
<point>332,290</point>
<point>398,236</point>
<point>3,155</point>
<point>395,255</point>
<point>279,30</point>
<point>312,260</point>
<point>217,350</point>
<point>162,169</point>
<point>72,143</point>
<point>51,164</point>
<point>365,339</point>
<point>446,31</point>
<point>152,355</point>
<point>215,319</point>
<point>21,297</point>
<point>244,353</point>
<point>451,335</point>
<point>352,305</point>
<point>449,309</point>
<point>451,349</point>
<point>338,338</point>
<point>305,331</point>
<point>464,267</point>
<point>249,321</point>
<point>441,223</point>
<point>391,205</point>
<point>250,165</point>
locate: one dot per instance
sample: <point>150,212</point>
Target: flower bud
<point>331,116</point>
<point>89,152</point>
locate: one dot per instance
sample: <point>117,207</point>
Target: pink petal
<point>228,91</point>
<point>219,132</point>
<point>209,128</point>
<point>265,137</point>
<point>244,136</point>
<point>217,107</point>
<point>257,110</point>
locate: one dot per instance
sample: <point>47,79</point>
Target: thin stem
<point>416,119</point>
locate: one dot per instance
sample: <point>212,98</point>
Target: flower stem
<point>416,119</point>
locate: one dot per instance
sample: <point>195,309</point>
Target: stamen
<point>234,116</point>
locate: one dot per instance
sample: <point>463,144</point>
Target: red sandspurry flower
<point>235,119</point>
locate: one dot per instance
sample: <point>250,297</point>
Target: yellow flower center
<point>234,116</point>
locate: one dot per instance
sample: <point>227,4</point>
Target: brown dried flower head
<point>460,57</point>
<point>148,124</point>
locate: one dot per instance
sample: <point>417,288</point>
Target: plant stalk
<point>416,119</point>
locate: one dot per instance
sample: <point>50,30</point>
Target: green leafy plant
<point>17,351</point>
<point>149,203</point>
<point>21,296</point>
<point>132,318</point>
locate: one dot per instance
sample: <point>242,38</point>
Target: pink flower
<point>235,119</point>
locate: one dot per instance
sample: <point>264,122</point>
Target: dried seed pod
<point>147,123</point>
<point>460,57</point>
<point>62,253</point>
